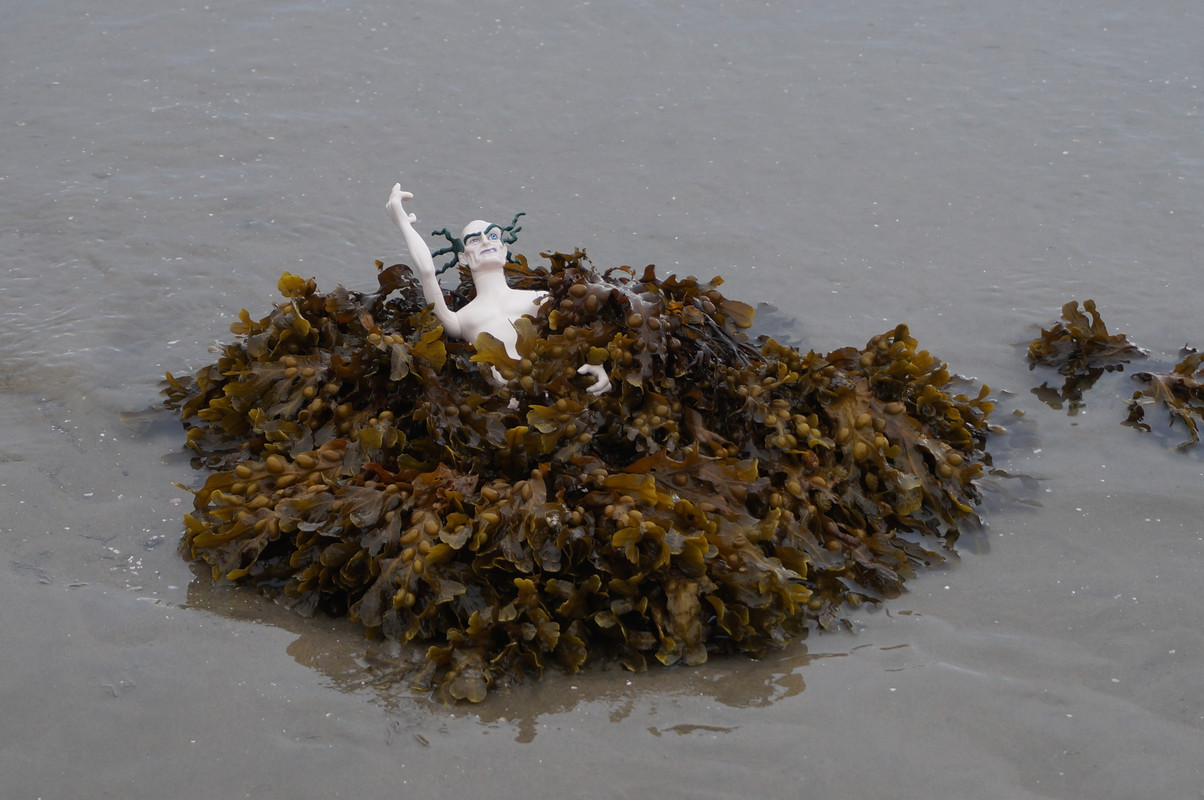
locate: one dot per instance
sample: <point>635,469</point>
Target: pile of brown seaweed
<point>719,499</point>
<point>1180,391</point>
<point>1081,349</point>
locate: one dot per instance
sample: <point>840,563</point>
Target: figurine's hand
<point>601,384</point>
<point>396,210</point>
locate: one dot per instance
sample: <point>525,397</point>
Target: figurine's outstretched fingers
<point>395,207</point>
<point>601,384</point>
<point>398,195</point>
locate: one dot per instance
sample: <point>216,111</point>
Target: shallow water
<point>964,169</point>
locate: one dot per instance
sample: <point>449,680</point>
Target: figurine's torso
<point>495,315</point>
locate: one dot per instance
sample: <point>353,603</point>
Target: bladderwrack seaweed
<point>723,497</point>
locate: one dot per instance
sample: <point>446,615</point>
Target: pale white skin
<point>497,305</point>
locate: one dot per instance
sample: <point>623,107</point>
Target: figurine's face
<point>483,245</point>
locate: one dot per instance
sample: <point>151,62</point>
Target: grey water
<point>964,167</point>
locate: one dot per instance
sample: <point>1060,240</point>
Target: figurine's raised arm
<point>423,262</point>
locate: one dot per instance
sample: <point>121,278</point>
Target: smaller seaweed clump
<point>1082,350</point>
<point>1181,391</point>
<point>724,497</point>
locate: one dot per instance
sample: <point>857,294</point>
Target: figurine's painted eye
<point>493,235</point>
<point>471,239</point>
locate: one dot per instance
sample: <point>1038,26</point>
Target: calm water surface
<point>963,167</point>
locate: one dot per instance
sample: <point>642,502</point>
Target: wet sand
<point>966,171</point>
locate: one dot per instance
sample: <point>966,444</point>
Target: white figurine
<point>497,304</point>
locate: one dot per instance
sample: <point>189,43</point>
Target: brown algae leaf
<point>726,495</point>
<point>1081,349</point>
